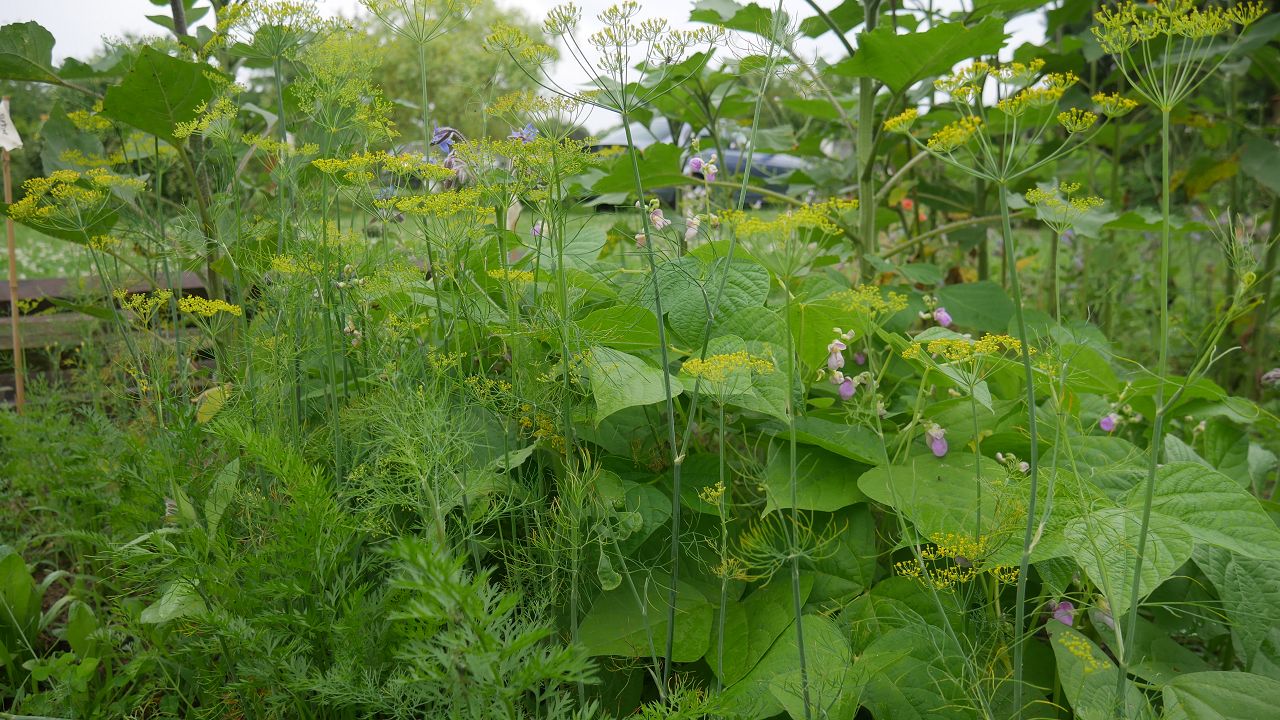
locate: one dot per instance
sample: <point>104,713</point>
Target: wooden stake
<point>18,374</point>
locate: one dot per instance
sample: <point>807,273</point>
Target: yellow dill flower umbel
<point>954,135</point>
<point>902,122</point>
<point>716,368</point>
<point>203,307</point>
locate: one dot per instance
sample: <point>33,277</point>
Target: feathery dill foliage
<point>505,421</point>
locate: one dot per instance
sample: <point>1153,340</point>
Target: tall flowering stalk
<point>627,51</point>
<point>1164,52</point>
<point>1000,145</point>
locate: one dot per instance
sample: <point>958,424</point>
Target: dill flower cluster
<point>955,135</point>
<point>1114,105</point>
<point>363,168</point>
<point>1123,26</point>
<point>90,120</point>
<point>869,301</point>
<point>716,368</point>
<point>512,276</point>
<point>212,119</point>
<point>142,305</point>
<point>70,194</point>
<point>953,559</point>
<point>820,216</point>
<point>958,349</point>
<point>206,308</point>
<point>465,202</point>
<point>1061,208</point>
<point>902,122</point>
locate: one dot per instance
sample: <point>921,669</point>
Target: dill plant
<point>998,146</point>
<point>1165,52</point>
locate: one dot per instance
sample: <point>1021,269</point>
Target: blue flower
<point>526,135</point>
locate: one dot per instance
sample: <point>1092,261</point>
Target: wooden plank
<point>41,331</point>
<point>62,288</point>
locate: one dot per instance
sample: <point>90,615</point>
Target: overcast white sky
<point>80,25</point>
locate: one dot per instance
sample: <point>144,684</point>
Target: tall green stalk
<point>669,403</point>
<point>1157,425</point>
<point>1020,611</point>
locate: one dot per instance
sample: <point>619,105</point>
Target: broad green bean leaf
<point>1113,465</point>
<point>622,327</point>
<point>824,481</point>
<point>1085,370</point>
<point>619,380</point>
<point>1221,695</point>
<point>751,626</point>
<point>751,18</point>
<point>63,141</point>
<point>897,602</point>
<point>936,495</point>
<point>828,660</point>
<point>1156,657</point>
<point>912,673</point>
<point>660,166</point>
<point>846,16</point>
<point>1175,450</point>
<point>811,327</point>
<point>1260,160</point>
<point>159,92</point>
<point>1088,678</point>
<point>847,564</point>
<point>753,323</point>
<point>1213,508</point>
<point>179,600</point>
<point>1104,543</point>
<point>746,285</point>
<point>852,441</point>
<point>1226,448</point>
<point>1250,593</point>
<point>615,624</point>
<point>981,305</point>
<point>901,60</point>
<point>26,53</point>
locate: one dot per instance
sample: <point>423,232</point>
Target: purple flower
<point>1065,613</point>
<point>860,358</point>
<point>444,138</point>
<point>526,134</point>
<point>835,355</point>
<point>847,388</point>
<point>695,164</point>
<point>537,229</point>
<point>1271,377</point>
<point>657,219</point>
<point>936,438</point>
<point>942,317</point>
<point>1108,422</point>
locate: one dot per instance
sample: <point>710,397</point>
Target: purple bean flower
<point>657,219</point>
<point>525,135</point>
<point>1065,613</point>
<point>1108,422</point>
<point>847,388</point>
<point>695,164</point>
<point>538,229</point>
<point>936,438</point>
<point>835,355</point>
<point>942,317</point>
